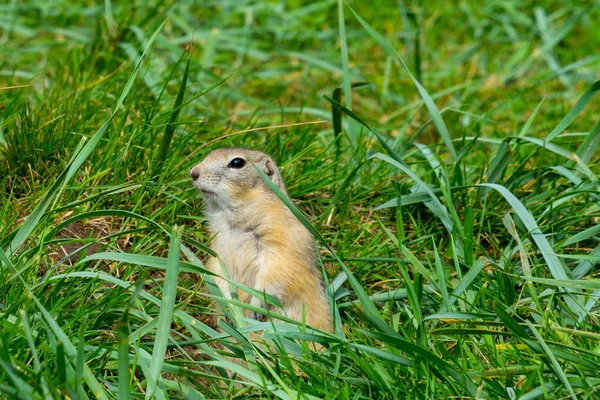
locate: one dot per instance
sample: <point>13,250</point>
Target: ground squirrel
<point>261,243</point>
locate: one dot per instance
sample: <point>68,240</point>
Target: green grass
<point>445,158</point>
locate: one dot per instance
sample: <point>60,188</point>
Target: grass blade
<point>587,149</point>
<point>436,116</point>
<point>467,280</point>
<point>170,129</point>
<point>583,235</point>
<point>123,350</point>
<point>165,316</point>
<point>562,152</point>
<point>147,261</point>
<point>574,112</point>
<point>554,362</point>
<point>346,69</point>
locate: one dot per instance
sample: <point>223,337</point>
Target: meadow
<point>444,155</point>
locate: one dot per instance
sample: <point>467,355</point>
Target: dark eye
<point>237,163</point>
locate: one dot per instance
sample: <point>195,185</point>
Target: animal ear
<point>269,168</point>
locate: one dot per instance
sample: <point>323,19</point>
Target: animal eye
<point>237,163</point>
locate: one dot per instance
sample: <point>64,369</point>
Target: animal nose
<point>194,173</point>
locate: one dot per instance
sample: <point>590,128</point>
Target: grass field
<point>444,155</point>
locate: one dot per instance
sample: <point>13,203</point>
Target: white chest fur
<point>238,247</point>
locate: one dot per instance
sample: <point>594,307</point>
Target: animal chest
<point>240,251</point>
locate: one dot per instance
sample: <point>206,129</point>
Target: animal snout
<point>194,173</point>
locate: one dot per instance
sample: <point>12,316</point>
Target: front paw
<point>258,316</point>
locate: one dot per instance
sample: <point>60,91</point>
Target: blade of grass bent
<point>147,261</point>
<point>100,213</point>
<point>416,197</point>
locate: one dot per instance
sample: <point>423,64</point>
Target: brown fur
<point>261,243</point>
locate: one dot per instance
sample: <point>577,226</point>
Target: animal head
<point>226,176</point>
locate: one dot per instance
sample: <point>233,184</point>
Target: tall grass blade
<point>554,362</point>
<point>165,316</point>
<point>554,265</point>
<point>436,116</point>
<point>346,83</point>
<point>170,129</point>
<point>587,149</point>
<point>575,111</point>
<point>123,350</point>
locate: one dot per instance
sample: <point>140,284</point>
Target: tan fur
<point>261,243</point>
